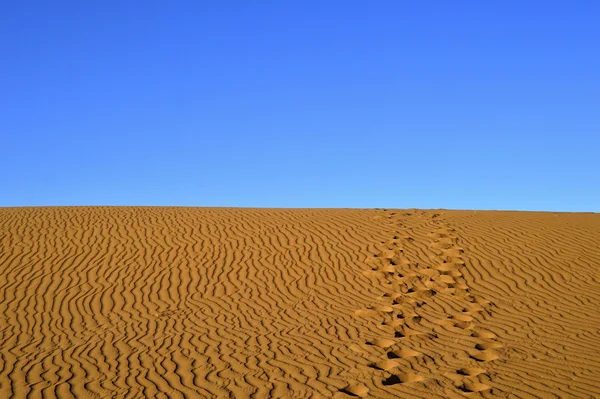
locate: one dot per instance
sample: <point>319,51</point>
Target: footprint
<point>402,378</point>
<point>389,269</point>
<point>444,278</point>
<point>400,335</point>
<point>376,262</point>
<point>409,314</point>
<point>447,240</point>
<point>463,325</point>
<point>409,274</point>
<point>405,300</point>
<point>420,293</point>
<point>393,245</point>
<point>481,301</point>
<point>435,285</point>
<point>395,322</point>
<point>431,273</point>
<point>437,235</point>
<point>462,317</point>
<point>381,342</point>
<point>484,334</point>
<point>406,333</point>
<point>472,386</point>
<point>471,371</point>
<point>389,254</point>
<point>405,305</point>
<point>486,355</point>
<point>383,308</point>
<point>473,308</point>
<point>386,364</point>
<point>445,322</point>
<point>448,291</point>
<point>454,252</point>
<point>447,267</point>
<point>460,293</point>
<point>402,261</point>
<point>442,246</point>
<point>359,390</point>
<point>488,345</point>
<point>393,295</point>
<point>403,353</point>
<point>454,273</point>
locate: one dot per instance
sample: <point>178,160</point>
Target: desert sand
<point>131,302</point>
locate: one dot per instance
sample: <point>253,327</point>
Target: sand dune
<point>207,302</point>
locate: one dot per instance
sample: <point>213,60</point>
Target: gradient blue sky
<point>428,104</point>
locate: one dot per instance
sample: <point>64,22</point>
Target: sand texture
<point>108,302</point>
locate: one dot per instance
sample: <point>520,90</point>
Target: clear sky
<point>427,104</point>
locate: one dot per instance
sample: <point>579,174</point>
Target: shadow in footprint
<point>402,378</point>
<point>392,380</point>
<point>399,334</point>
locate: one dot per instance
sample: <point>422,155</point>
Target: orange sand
<point>205,302</point>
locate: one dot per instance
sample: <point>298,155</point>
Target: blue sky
<point>428,104</point>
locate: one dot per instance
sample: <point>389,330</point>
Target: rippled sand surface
<point>132,302</point>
